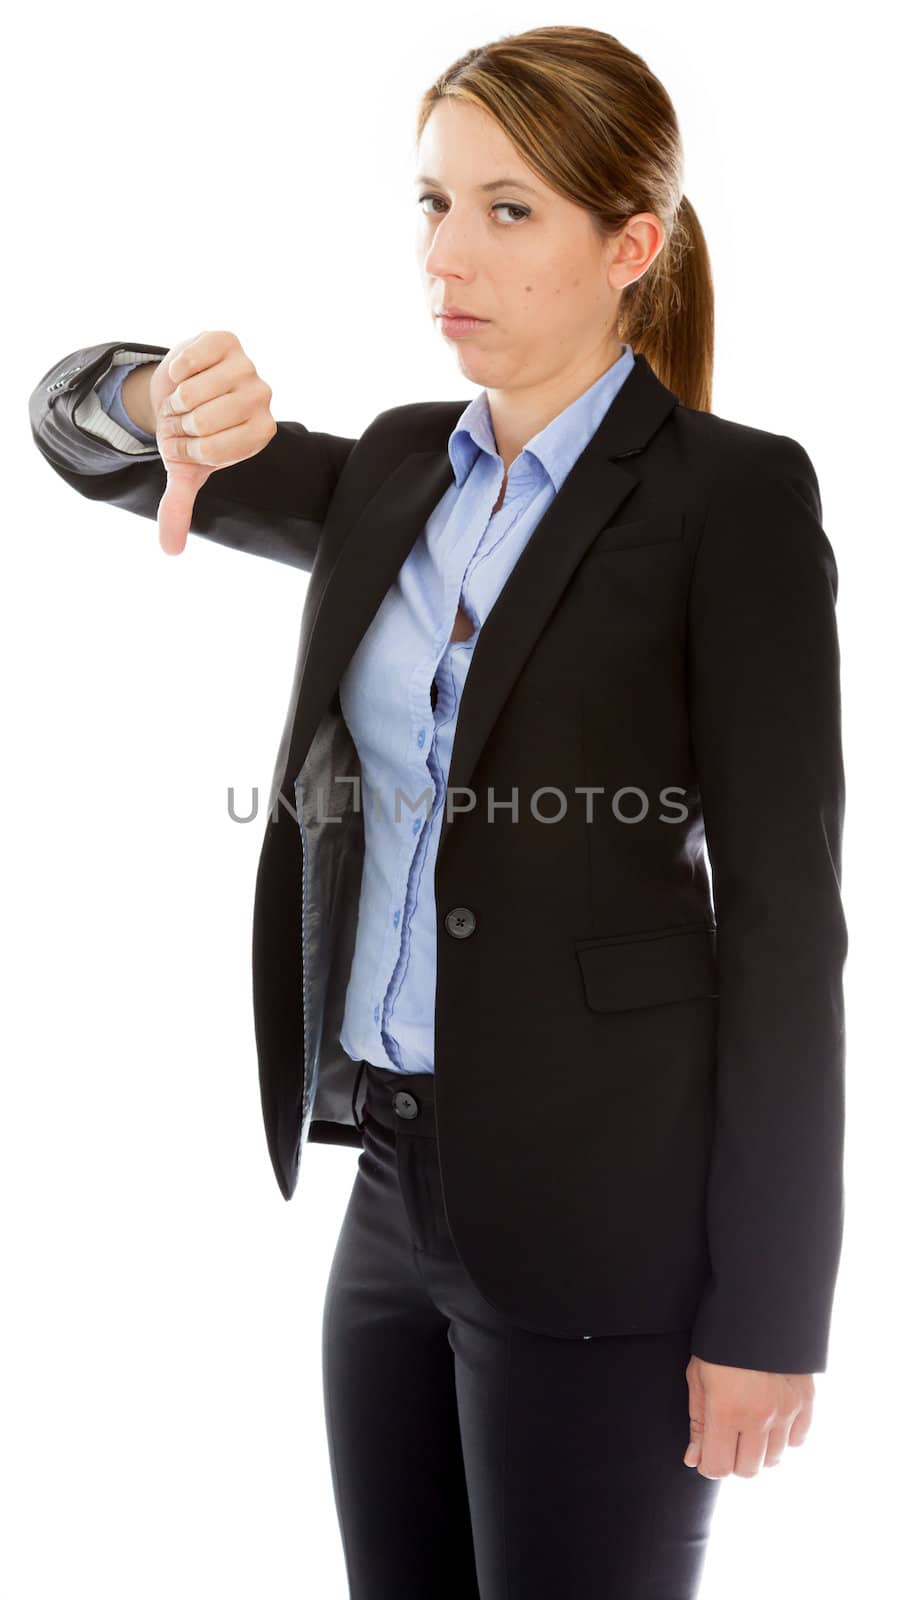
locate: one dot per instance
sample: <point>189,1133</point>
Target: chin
<point>473,365</point>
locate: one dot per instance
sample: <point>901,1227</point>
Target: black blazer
<point>639,1072</point>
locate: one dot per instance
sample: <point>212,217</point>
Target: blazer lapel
<point>586,502</point>
<point>387,528</point>
<point>372,554</point>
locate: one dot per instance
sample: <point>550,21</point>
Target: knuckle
<point>188,450</point>
<point>215,453</point>
<point>197,346</point>
<point>232,351</point>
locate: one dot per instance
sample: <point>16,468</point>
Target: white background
<point>174,169</point>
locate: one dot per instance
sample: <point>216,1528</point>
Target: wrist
<point>135,396</point>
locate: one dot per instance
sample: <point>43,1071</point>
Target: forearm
<point>273,504</point>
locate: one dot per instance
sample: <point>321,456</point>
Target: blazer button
<point>61,381</point>
<point>460,922</point>
<point>404,1104</point>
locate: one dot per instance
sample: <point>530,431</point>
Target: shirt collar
<point>556,446</point>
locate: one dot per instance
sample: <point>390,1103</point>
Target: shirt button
<point>396,918</point>
<point>375,1014</point>
<point>421,737</point>
<point>416,824</point>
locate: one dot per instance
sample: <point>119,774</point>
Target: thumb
<point>697,1423</point>
<point>177,503</point>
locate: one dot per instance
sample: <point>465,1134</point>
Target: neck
<point>519,414</point>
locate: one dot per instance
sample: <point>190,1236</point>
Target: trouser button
<point>404,1104</point>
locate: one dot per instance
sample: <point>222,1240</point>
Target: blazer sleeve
<point>272,505</point>
<point>765,723</point>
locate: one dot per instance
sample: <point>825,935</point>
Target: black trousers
<point>472,1459</point>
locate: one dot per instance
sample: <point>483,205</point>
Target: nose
<point>449,254</point>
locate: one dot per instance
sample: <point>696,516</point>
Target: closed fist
<point>211,410</point>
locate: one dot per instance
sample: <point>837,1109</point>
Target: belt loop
<point>356,1119</point>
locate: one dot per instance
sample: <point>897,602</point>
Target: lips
<point>458,311</point>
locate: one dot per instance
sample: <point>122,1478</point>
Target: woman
<point>587,1266</point>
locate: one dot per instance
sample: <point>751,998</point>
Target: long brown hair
<point>599,128</point>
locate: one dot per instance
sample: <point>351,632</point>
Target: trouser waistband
<point>401,1101</point>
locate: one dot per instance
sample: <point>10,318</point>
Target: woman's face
<point>518,255</point>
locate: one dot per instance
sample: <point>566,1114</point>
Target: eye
<point>500,205</point>
<point>506,205</point>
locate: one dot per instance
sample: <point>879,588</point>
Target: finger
<point>203,351</point>
<point>718,1449</point>
<point>694,1450</point>
<point>750,1452</point>
<point>775,1444</point>
<point>222,449</point>
<point>246,404</point>
<point>235,372</point>
<point>801,1424</point>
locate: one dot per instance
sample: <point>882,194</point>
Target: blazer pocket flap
<point>648,530</point>
<point>648,969</point>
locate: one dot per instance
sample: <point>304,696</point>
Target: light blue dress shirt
<point>462,557</point>
<point>108,392</point>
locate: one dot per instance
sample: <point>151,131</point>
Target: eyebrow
<point>484,188</point>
